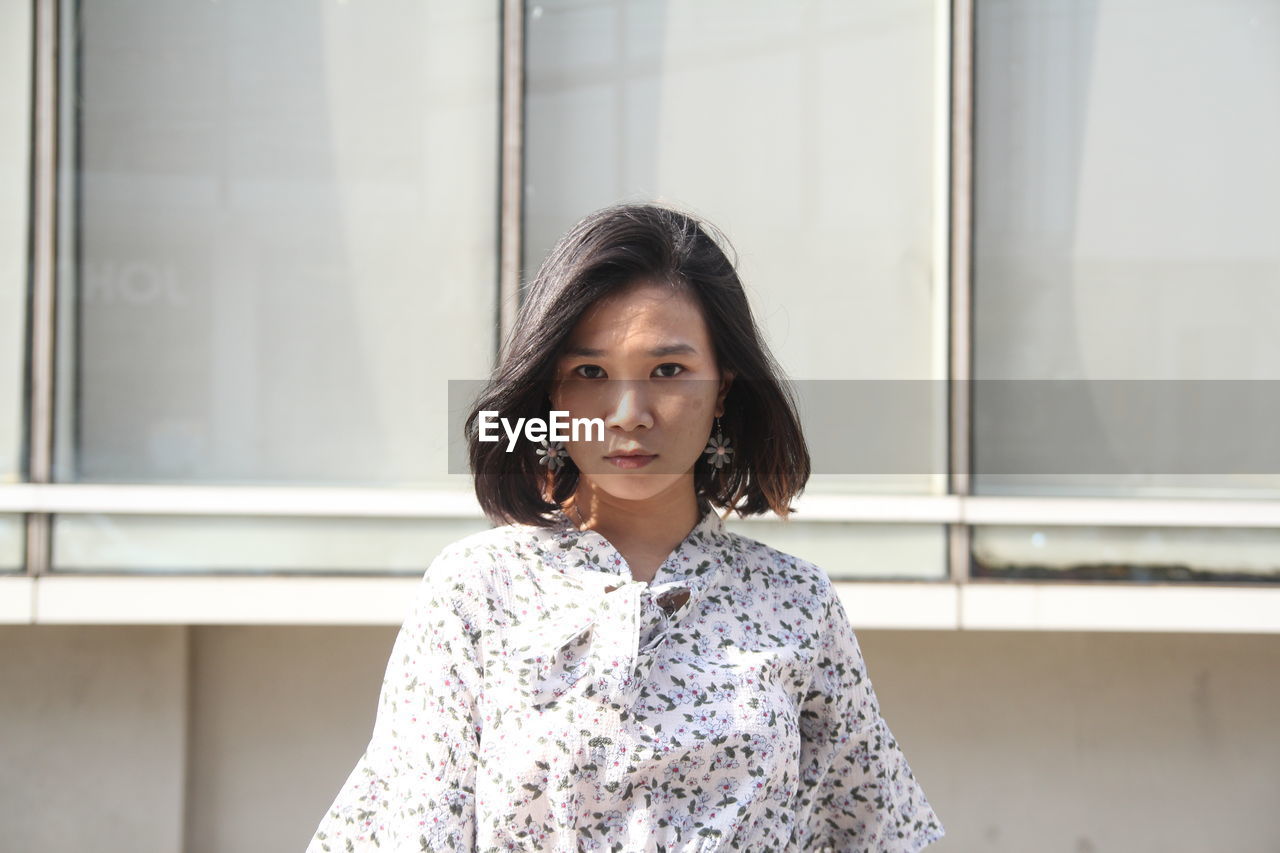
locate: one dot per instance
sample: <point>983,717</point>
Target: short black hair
<point>605,252</point>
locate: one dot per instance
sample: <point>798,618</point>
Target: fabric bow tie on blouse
<point>604,642</point>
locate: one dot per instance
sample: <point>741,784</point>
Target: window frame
<point>39,499</point>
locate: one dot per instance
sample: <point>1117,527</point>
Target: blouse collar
<point>592,587</point>
<point>686,563</point>
<point>640,615</point>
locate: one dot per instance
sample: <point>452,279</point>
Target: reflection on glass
<point>1137,554</point>
<point>1127,202</point>
<point>807,131</point>
<point>856,551</point>
<point>278,238</point>
<point>15,188</point>
<point>234,544</point>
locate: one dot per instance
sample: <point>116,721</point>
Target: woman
<point>610,668</point>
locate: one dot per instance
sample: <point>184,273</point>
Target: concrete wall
<point>1076,743</point>
<point>93,748</point>
<point>217,739</point>
<point>279,718</point>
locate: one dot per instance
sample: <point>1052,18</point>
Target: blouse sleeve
<point>856,791</point>
<point>414,787</point>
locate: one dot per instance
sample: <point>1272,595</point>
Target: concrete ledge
<point>1117,607</point>
<point>16,606</point>
<point>871,605</point>
<point>207,600</point>
<point>874,604</point>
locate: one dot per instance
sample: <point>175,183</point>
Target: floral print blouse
<point>539,698</point>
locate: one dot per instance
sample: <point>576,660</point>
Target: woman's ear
<point>726,380</point>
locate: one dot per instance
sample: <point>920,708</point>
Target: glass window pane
<point>857,551</point>
<point>15,151</point>
<point>12,543</point>
<point>807,131</point>
<point>1155,554</point>
<point>280,238</point>
<point>232,544</point>
<point>1127,202</point>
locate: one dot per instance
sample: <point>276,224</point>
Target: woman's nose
<point>630,407</point>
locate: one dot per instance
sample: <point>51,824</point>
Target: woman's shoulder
<point>499,541</point>
<point>762,561</point>
<point>468,573</point>
<point>484,551</point>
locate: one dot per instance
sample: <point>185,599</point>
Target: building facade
<point>1019,258</point>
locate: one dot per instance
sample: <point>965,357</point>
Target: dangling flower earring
<point>718,448</point>
<point>552,455</point>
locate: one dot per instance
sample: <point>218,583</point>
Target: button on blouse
<point>539,698</point>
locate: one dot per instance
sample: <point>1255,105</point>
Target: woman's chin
<point>634,486</point>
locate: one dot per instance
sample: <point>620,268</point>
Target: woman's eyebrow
<point>656,352</point>
<point>673,349</point>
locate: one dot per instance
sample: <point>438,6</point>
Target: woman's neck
<point>645,532</point>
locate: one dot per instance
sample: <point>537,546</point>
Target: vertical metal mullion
<point>961,277</point>
<point>512,157</point>
<point>42,317</point>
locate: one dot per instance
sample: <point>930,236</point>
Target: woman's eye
<point>669,370</point>
<point>585,371</point>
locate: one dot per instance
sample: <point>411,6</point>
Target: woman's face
<point>641,360</point>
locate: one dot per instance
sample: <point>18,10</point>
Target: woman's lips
<point>629,462</point>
